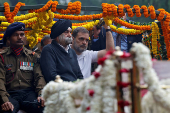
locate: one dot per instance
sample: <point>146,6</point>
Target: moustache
<point>20,41</point>
<point>68,40</point>
<point>83,46</point>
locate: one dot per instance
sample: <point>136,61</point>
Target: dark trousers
<point>21,100</point>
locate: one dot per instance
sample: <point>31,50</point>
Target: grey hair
<point>79,29</point>
<point>45,38</point>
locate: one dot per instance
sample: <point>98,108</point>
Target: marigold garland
<point>25,17</point>
<point>161,14</point>
<point>128,25</point>
<point>159,54</point>
<point>45,7</point>
<point>16,9</point>
<point>42,21</point>
<point>114,8</point>
<point>110,11</point>
<point>125,31</point>
<point>10,15</point>
<point>73,8</point>
<point>152,12</point>
<point>137,10</point>
<point>167,20</point>
<point>54,6</point>
<point>3,19</point>
<point>120,10</point>
<point>129,10</point>
<point>155,36</point>
<point>166,38</point>
<point>104,7</point>
<point>145,11</point>
<point>80,18</point>
<point>1,35</point>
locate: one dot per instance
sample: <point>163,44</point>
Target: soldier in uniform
<point>21,80</point>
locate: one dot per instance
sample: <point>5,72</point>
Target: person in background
<point>58,58</point>
<point>86,57</point>
<point>45,40</point>
<point>123,41</point>
<point>21,78</point>
<point>98,41</point>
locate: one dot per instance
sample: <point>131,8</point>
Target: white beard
<point>68,40</point>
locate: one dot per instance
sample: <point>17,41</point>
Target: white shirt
<point>65,48</point>
<point>85,60</point>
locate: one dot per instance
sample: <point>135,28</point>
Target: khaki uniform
<point>20,72</point>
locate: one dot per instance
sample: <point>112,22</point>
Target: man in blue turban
<point>58,58</point>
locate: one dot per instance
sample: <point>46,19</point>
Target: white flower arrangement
<point>143,61</point>
<point>60,96</point>
<point>149,105</point>
<point>97,92</point>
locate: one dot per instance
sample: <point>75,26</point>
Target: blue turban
<point>16,26</point>
<point>60,27</point>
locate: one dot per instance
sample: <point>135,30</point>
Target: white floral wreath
<point>97,92</point>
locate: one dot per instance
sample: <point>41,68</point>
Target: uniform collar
<point>25,51</point>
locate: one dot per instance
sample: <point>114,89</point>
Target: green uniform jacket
<point>19,72</point>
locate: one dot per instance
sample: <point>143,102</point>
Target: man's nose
<point>84,42</point>
<point>69,34</point>
<point>19,36</point>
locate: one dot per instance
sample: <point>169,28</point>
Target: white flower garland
<point>97,94</point>
<point>57,97</point>
<point>149,105</point>
<point>143,61</point>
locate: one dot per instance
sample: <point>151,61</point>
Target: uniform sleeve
<point>3,93</point>
<point>39,78</point>
<point>48,65</point>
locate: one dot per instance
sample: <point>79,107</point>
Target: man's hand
<point>7,106</point>
<point>106,27</point>
<point>42,101</point>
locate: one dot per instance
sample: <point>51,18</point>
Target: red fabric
<point>17,51</point>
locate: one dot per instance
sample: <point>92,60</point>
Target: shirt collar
<point>65,48</point>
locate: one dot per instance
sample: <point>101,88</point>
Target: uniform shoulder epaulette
<point>4,51</point>
<point>36,57</point>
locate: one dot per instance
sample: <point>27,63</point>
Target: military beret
<point>60,27</point>
<point>16,26</point>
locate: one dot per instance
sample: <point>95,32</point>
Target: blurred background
<point>156,3</point>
